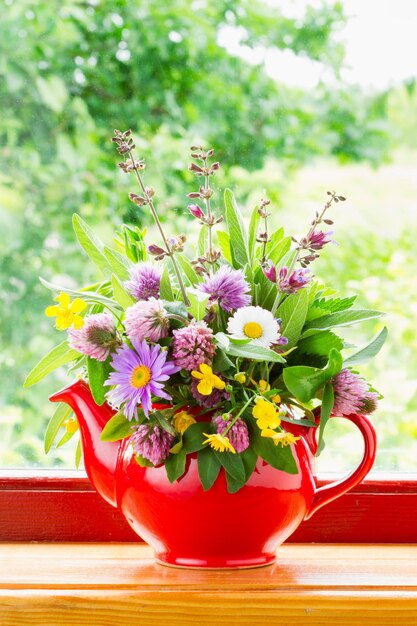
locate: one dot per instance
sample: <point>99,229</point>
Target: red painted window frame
<point>62,506</point>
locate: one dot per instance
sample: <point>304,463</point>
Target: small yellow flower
<point>284,439</point>
<point>263,386</point>
<point>66,312</point>
<point>71,425</point>
<point>219,443</point>
<point>276,399</point>
<point>182,420</point>
<point>240,377</point>
<point>266,414</point>
<point>208,380</point>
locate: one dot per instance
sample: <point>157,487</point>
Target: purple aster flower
<point>208,402</point>
<point>270,271</point>
<point>152,442</point>
<point>97,338</point>
<point>139,374</point>
<point>293,282</point>
<point>318,239</point>
<point>147,319</point>
<point>145,280</point>
<point>238,434</point>
<point>193,345</point>
<point>228,287</point>
<point>352,395</point>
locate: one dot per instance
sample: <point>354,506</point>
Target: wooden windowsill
<point>119,584</point>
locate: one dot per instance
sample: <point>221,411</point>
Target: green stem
<point>164,239</point>
<point>224,433</point>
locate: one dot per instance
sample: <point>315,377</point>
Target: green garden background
<point>73,70</point>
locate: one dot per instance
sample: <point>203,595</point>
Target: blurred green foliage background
<point>71,71</point>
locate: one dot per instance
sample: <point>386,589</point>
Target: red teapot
<point>187,526</point>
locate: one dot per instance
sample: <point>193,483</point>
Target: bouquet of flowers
<point>219,352</point>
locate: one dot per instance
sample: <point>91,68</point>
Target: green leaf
<point>253,233</point>
<point>233,465</point>
<point>61,414</point>
<point>67,436</point>
<point>198,303</point>
<point>78,454</point>
<point>279,457</point>
<point>293,313</point>
<point>202,240</point>
<point>303,381</point>
<point>369,351</point>
<point>249,458</point>
<point>91,244</point>
<point>165,289</point>
<point>320,343</point>
<point>325,412</point>
<point>256,353</point>
<point>193,437</point>
<point>187,268</point>
<point>234,220</point>
<point>91,297</point>
<point>119,263</point>
<point>98,372</point>
<point>208,466</point>
<point>164,423</point>
<point>121,296</point>
<point>278,247</point>
<point>221,363</point>
<point>176,448</point>
<point>224,244</point>
<point>342,318</point>
<point>58,356</point>
<point>333,305</point>
<point>175,465</point>
<point>118,427</point>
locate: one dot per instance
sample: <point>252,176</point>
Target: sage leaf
<point>61,414</point>
<point>239,250</point>
<point>369,351</point>
<point>58,356</point>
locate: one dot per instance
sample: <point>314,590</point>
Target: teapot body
<point>187,526</point>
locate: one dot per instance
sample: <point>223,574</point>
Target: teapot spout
<point>100,457</point>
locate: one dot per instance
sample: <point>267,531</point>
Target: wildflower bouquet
<point>219,353</point>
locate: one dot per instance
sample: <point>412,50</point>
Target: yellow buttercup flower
<point>276,399</point>
<point>263,386</point>
<point>66,312</point>
<point>240,377</point>
<point>219,443</point>
<point>71,425</point>
<point>266,414</point>
<point>208,380</point>
<point>182,420</point>
<point>285,439</point>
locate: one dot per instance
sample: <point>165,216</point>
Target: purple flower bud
<point>318,239</point>
<point>196,211</point>
<point>156,250</point>
<point>293,282</point>
<point>270,271</point>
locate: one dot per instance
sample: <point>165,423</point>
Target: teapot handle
<point>328,493</point>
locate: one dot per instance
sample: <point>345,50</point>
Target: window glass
<point>296,98</point>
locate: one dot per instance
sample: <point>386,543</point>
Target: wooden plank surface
<point>119,584</point>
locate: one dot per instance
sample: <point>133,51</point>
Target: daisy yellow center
<point>253,330</point>
<point>140,377</point>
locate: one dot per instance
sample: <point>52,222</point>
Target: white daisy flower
<point>255,323</point>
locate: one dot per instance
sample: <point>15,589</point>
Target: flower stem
<point>224,433</point>
<point>161,231</point>
<point>209,216</point>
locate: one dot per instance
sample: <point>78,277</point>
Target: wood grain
<point>118,584</point>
